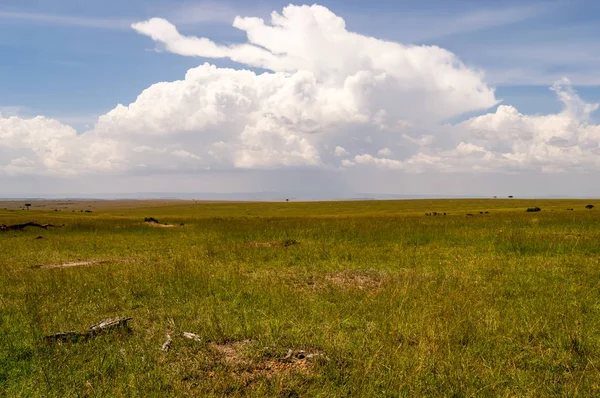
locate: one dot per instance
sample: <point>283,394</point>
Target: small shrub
<point>589,207</point>
<point>533,209</point>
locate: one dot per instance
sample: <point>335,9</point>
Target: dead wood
<point>64,337</point>
<point>118,322</point>
<point>105,325</point>
<point>20,227</point>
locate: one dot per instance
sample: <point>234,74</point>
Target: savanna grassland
<point>373,298</point>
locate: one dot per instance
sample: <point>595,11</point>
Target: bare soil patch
<point>231,353</point>
<point>71,264</point>
<point>360,280</point>
<point>236,355</point>
<point>155,225</point>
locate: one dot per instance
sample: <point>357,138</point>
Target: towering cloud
<point>326,97</point>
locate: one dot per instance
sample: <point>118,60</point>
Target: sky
<point>328,100</point>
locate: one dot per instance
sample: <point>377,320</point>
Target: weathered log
<point>20,227</point>
<point>102,326</point>
<point>108,324</point>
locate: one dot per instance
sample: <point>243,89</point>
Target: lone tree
<point>510,196</point>
<point>589,207</point>
<point>27,205</point>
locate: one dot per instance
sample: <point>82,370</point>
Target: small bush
<point>589,207</point>
<point>533,209</point>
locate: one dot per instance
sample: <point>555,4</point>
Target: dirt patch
<point>231,353</point>
<point>153,224</point>
<point>371,281</point>
<point>72,264</point>
<point>273,368</point>
<point>236,355</point>
<point>277,243</point>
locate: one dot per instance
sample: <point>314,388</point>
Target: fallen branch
<point>20,227</point>
<point>109,324</point>
<point>64,337</point>
<point>102,326</point>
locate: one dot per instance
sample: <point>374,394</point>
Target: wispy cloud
<point>539,61</point>
<point>189,14</point>
<point>68,20</point>
<point>424,26</point>
<point>8,111</point>
<point>485,19</point>
<point>539,76</point>
<point>183,14</point>
<point>207,11</point>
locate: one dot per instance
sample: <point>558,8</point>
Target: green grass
<point>399,303</point>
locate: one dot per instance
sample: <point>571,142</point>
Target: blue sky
<point>75,60</point>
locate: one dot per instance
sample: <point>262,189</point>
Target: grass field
<point>383,300</point>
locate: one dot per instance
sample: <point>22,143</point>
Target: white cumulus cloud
<point>340,151</point>
<point>379,104</point>
<point>384,152</point>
